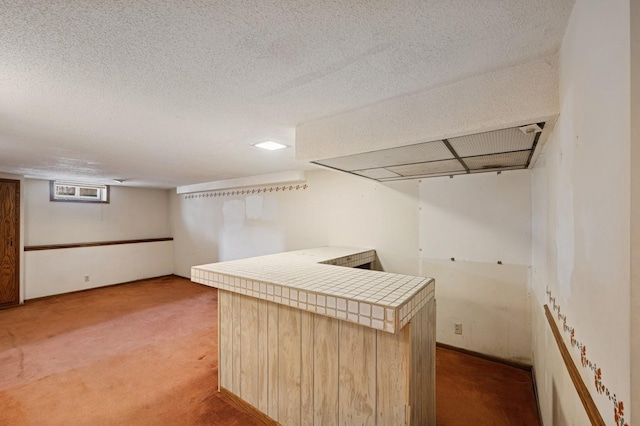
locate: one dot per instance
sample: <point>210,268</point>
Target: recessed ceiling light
<point>270,145</point>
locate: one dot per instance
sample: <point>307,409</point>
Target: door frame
<point>18,242</point>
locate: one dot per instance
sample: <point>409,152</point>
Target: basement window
<point>78,192</point>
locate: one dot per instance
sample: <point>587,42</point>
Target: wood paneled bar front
<point>307,338</point>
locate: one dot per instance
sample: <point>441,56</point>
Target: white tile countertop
<point>313,280</point>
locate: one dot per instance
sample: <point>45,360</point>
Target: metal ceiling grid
<point>498,150</point>
<point>419,153</point>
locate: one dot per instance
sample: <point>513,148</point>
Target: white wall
<point>559,403</point>
<point>581,214</point>
<point>133,213</point>
<point>480,220</point>
<point>491,210</point>
<point>61,271</point>
<point>335,209</point>
<point>22,227</point>
<point>635,208</point>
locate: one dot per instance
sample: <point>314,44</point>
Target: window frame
<point>104,192</point>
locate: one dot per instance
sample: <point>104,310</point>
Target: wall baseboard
<point>499,360</point>
<point>248,408</point>
<point>535,392</point>
<point>520,365</point>
<point>102,286</point>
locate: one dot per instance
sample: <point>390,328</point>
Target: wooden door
<point>9,242</point>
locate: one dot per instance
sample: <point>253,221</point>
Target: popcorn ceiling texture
<point>174,93</point>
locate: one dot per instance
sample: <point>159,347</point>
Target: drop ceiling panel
<point>498,161</point>
<point>504,140</point>
<point>434,167</point>
<point>449,173</point>
<point>503,149</point>
<point>428,151</point>
<point>377,173</point>
<point>500,169</point>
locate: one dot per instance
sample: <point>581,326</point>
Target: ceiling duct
<point>505,149</point>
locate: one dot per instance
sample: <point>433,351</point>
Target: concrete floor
<point>472,390</point>
<point>145,353</point>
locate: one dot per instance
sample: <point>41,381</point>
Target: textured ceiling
<point>175,92</point>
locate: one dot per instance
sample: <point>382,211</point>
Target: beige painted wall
<point>335,209</point>
<point>480,220</point>
<point>490,299</point>
<point>559,402</point>
<point>581,214</point>
<point>133,213</point>
<point>635,209</point>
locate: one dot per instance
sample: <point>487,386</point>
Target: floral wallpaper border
<point>601,388</point>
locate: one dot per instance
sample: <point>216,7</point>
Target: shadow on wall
<point>250,228</point>
<point>490,303</point>
<point>559,418</point>
<point>376,265</point>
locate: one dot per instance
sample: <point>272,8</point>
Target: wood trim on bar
<point>581,388</point>
<point>94,244</point>
<point>248,408</point>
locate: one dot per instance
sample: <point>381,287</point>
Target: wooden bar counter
<point>307,338</point>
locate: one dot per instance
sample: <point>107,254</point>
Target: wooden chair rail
<point>581,388</point>
<point>94,244</point>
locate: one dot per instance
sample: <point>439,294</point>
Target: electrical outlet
<point>457,328</point>
<point>87,278</point>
